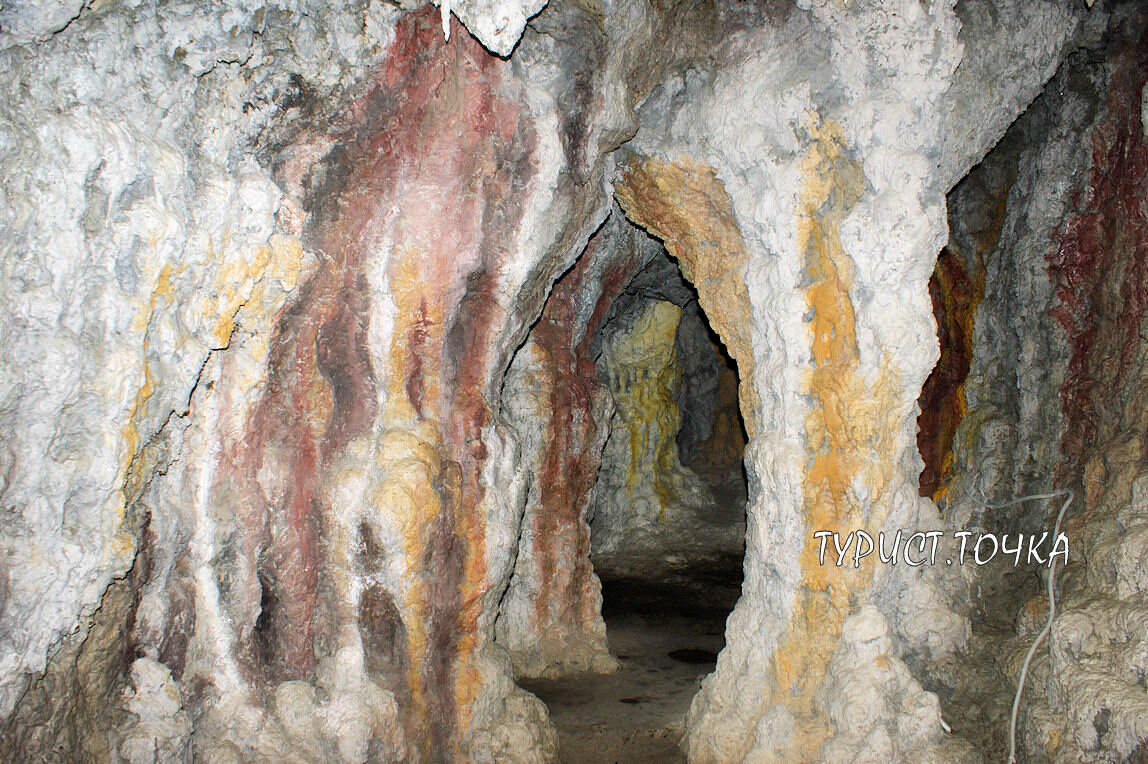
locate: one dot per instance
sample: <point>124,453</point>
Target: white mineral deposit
<point>489,381</point>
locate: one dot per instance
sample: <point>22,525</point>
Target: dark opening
<point>667,521</point>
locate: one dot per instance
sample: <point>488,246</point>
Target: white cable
<point>1066,492</point>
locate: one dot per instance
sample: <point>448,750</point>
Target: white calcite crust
<point>156,204</point>
<point>137,232</point>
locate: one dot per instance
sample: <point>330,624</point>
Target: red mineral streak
<point>569,463</point>
<point>615,280</point>
<point>955,296</point>
<point>428,181</point>
<point>432,174</point>
<point>181,616</point>
<point>320,393</point>
<point>416,346</point>
<point>1101,269</point>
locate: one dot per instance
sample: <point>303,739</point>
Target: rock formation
<point>335,354</point>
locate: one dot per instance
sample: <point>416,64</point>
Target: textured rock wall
<point>139,230</point>
<point>376,433</point>
<point>697,397</point>
<point>594,397</point>
<point>711,440</point>
<point>550,617</point>
<point>265,268</point>
<point>272,404</point>
<point>651,513</point>
<point>955,288</point>
<point>1055,400</point>
<point>829,401</point>
<point>294,250</point>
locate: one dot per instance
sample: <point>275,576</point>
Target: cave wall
<point>286,494</point>
<point>265,270</point>
<point>828,218</point>
<point>285,429</point>
<point>140,231</point>
<point>652,516</point>
<point>550,618</point>
<point>1054,400</point>
<point>651,513</point>
<point>711,439</point>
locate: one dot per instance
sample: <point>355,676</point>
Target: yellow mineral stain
<point>242,284</point>
<point>407,494</point>
<point>161,288</point>
<point>469,683</point>
<point>686,205</point>
<point>852,421</point>
<point>475,586</point>
<point>418,486</point>
<point>421,483</point>
<point>647,369</point>
<point>132,439</point>
<point>416,360</point>
<point>123,546</point>
<point>130,433</point>
<point>235,283</point>
<point>849,433</point>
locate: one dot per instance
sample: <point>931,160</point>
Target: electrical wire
<point>1068,494</point>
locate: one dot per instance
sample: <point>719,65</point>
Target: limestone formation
<point>342,346</point>
<point>1052,399</point>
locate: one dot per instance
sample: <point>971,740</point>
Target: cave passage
<point>360,378</point>
<point>667,522</point>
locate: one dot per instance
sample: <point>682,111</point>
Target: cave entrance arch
<point>626,401</point>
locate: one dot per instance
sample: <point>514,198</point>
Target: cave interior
<point>574,381</point>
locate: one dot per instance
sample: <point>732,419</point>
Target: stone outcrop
<point>325,341</point>
<point>1054,401</point>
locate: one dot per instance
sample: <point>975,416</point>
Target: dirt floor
<point>666,635</point>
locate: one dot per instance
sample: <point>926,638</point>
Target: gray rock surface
<point>273,388</point>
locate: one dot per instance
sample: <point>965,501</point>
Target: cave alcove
<point>664,512</point>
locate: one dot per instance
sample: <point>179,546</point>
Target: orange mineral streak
<point>427,488</point>
<point>469,683</point>
<point>130,432</point>
<point>686,205</point>
<point>957,287</point>
<point>849,435</point>
<point>851,425</point>
<point>419,482</point>
<point>409,490</point>
<point>416,350</point>
<point>960,293</point>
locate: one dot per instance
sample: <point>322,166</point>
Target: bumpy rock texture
<point>1054,220</point>
<point>323,347</point>
<point>712,438</point>
<point>651,513</point>
<point>550,618</point>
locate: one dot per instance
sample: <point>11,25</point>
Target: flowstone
<point>299,419</point>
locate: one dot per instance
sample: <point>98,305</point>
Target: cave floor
<point>666,636</point>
